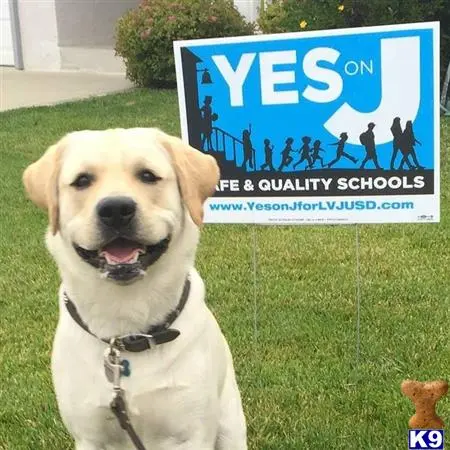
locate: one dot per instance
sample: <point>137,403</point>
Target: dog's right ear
<point>41,183</point>
<point>197,174</point>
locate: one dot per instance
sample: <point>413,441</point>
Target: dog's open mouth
<point>122,251</point>
<point>122,259</point>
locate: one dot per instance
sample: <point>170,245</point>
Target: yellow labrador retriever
<point>138,359</point>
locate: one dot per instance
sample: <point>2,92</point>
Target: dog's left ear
<point>41,183</point>
<point>197,173</point>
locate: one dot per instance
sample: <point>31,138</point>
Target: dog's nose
<point>116,212</point>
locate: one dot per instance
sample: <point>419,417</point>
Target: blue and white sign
<point>336,126</point>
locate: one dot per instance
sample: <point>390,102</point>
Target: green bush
<point>302,15</point>
<point>144,36</point>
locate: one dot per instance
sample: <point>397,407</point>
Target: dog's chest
<point>165,397</point>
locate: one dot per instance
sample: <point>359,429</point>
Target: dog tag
<point>126,372</point>
<point>112,366</point>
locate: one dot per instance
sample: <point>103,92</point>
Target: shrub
<point>145,35</point>
<point>300,15</point>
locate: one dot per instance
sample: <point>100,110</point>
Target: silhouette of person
<point>268,149</point>
<point>286,154</point>
<point>315,154</point>
<point>340,153</point>
<point>304,153</point>
<point>207,120</point>
<point>367,139</point>
<point>248,147</point>
<point>407,144</point>
<point>396,130</point>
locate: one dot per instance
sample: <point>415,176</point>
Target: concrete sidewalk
<point>20,88</point>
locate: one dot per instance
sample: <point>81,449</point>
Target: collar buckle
<point>131,340</point>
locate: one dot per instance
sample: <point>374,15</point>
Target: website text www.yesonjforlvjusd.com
<point>345,205</point>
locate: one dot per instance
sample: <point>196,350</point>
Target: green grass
<point>301,384</point>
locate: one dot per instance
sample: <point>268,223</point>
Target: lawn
<point>301,383</point>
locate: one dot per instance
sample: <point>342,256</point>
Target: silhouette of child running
<point>268,149</point>
<point>286,154</point>
<point>340,153</point>
<point>304,153</point>
<point>248,147</point>
<point>407,144</point>
<point>315,153</point>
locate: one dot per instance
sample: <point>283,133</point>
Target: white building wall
<point>42,49</point>
<point>248,8</point>
<point>6,42</point>
<point>39,35</point>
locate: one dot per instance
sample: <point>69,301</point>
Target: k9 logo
<point>428,439</point>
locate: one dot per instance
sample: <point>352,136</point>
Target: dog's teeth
<point>113,262</point>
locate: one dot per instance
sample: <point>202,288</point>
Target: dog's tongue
<point>120,253</point>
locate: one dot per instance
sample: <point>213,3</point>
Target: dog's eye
<point>82,181</point>
<point>147,176</point>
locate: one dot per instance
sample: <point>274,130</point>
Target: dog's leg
<point>232,434</point>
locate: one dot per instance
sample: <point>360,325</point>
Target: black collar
<point>155,335</point>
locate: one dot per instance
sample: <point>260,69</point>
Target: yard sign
<point>336,126</point>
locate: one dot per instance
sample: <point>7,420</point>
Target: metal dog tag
<point>112,366</point>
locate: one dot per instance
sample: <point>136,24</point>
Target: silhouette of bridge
<point>226,143</point>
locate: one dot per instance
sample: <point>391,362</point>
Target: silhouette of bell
<point>206,77</point>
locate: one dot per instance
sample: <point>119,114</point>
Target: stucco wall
<point>248,8</point>
<point>89,23</point>
<point>39,35</point>
<point>79,34</point>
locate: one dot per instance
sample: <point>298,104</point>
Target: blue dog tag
<point>126,371</point>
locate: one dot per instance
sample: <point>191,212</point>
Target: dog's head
<point>118,198</point>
